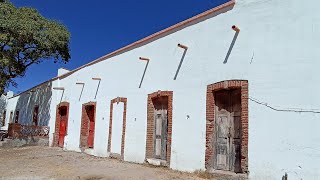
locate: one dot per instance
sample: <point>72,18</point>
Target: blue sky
<point>99,27</point>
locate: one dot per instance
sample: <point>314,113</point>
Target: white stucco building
<point>232,89</point>
<point>4,115</point>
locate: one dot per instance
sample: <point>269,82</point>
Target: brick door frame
<point>210,120</point>
<point>150,124</point>
<point>57,123</point>
<point>124,101</point>
<point>84,130</point>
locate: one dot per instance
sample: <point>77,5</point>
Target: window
<point>4,118</point>
<point>35,116</point>
<point>16,118</point>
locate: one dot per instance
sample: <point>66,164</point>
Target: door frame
<point>210,121</point>
<point>124,101</point>
<point>85,125</point>
<point>151,124</point>
<point>57,124</point>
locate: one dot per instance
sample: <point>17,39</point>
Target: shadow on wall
<point>41,97</point>
<point>231,47</point>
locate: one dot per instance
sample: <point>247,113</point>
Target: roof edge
<point>153,36</point>
<point>141,41</point>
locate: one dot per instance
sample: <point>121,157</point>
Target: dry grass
<point>203,174</point>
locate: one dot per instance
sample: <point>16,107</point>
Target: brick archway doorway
<point>88,125</point>
<point>61,126</point>
<point>117,127</point>
<point>159,127</point>
<point>227,126</point>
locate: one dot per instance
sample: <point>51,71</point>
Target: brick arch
<point>124,101</point>
<point>57,123</point>
<point>150,124</point>
<point>210,120</point>
<point>84,131</point>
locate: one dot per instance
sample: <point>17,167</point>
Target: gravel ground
<point>54,163</point>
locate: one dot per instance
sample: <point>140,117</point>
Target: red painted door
<point>91,127</point>
<point>63,125</point>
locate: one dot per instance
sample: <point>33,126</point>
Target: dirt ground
<point>54,163</point>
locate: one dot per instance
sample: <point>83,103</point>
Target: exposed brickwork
<point>210,121</point>
<point>57,124</point>
<point>84,131</point>
<point>14,130</point>
<point>150,124</point>
<point>124,101</point>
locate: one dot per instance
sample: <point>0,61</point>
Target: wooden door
<point>63,124</point>
<point>228,130</point>
<point>35,116</point>
<point>161,128</point>
<point>11,117</point>
<point>236,130</point>
<point>91,126</point>
<point>4,118</point>
<point>16,119</point>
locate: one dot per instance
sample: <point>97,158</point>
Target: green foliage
<point>27,38</point>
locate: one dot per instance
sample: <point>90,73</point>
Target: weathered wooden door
<point>91,126</point>
<point>4,118</point>
<point>35,116</point>
<point>63,124</point>
<point>16,119</point>
<point>228,130</point>
<point>161,128</point>
<point>11,117</point>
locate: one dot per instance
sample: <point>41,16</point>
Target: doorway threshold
<point>228,174</point>
<point>157,162</point>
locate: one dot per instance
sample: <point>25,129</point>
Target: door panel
<point>159,124</point>
<point>91,126</point>
<point>158,148</point>
<point>164,134</point>
<point>35,115</point>
<point>228,130</point>
<point>222,157</point>
<point>62,132</point>
<point>236,130</point>
<point>63,125</point>
<point>223,141</point>
<point>161,128</point>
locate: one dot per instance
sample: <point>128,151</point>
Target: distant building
<point>4,115</point>
<point>234,89</point>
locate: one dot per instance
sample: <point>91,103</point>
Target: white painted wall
<point>117,122</point>
<point>11,108</point>
<point>25,103</point>
<point>3,105</point>
<point>277,51</point>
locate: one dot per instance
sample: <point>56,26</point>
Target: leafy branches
<point>27,38</point>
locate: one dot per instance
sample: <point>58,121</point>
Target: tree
<point>27,38</point>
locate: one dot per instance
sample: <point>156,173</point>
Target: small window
<point>4,118</point>
<point>35,116</point>
<point>16,118</point>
